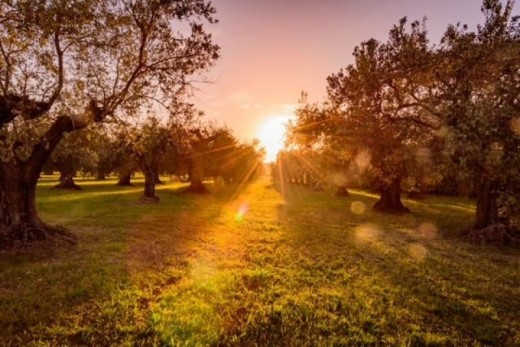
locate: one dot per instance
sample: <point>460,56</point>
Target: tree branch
<point>59,53</point>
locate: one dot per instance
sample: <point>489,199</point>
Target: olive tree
<point>72,154</point>
<point>67,63</point>
<point>148,143</point>
<point>478,89</point>
<point>375,112</point>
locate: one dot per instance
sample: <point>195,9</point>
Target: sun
<point>272,136</point>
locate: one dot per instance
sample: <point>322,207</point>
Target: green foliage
<point>241,164</point>
<point>411,106</point>
<point>67,64</point>
<point>480,89</point>
<point>147,141</point>
<point>76,152</point>
<point>214,151</point>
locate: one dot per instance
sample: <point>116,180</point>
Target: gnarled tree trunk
<point>390,198</point>
<point>19,221</point>
<point>124,179</point>
<point>149,164</point>
<point>101,173</point>
<point>197,175</point>
<point>490,226</point>
<point>67,173</point>
<point>487,208</point>
<point>149,187</point>
<point>101,176</point>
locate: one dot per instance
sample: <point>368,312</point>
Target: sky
<point>272,50</point>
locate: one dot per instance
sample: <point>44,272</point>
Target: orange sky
<point>274,49</point>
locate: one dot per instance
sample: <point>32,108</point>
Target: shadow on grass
<point>451,216</point>
<point>97,293</point>
<point>308,269</point>
<point>392,275</point>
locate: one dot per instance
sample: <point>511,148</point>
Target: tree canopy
<point>66,64</point>
<point>407,106</point>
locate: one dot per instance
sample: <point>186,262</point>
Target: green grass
<point>257,268</point>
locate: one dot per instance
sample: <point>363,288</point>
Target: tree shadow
<point>94,293</point>
<point>440,287</point>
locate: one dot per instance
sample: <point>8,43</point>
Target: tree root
<point>198,189</point>
<point>388,208</point>
<point>25,234</point>
<point>497,234</point>
<point>149,200</point>
<point>124,184</point>
<point>68,185</point>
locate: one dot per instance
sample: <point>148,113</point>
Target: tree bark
<point>124,179</point>
<point>390,198</point>
<point>67,182</point>
<point>19,221</point>
<point>101,174</point>
<point>196,176</point>
<point>487,208</point>
<point>19,218</point>
<point>67,173</point>
<point>149,187</point>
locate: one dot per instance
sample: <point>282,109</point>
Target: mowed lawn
<point>282,266</point>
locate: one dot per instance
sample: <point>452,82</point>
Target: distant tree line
<point>190,151</point>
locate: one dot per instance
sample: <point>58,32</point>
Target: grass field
<point>257,268</point>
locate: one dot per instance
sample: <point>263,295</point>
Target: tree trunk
<point>124,179</point>
<point>149,187</point>
<point>342,192</point>
<point>67,182</point>
<point>48,171</point>
<point>390,199</point>
<point>196,176</point>
<point>487,208</point>
<point>101,174</point>
<point>67,174</point>
<point>19,219</point>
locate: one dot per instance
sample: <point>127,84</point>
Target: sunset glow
<point>260,172</point>
<point>272,136</point>
<point>270,53</point>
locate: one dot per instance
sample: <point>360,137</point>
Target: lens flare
<point>242,210</point>
<point>515,125</point>
<point>423,156</point>
<point>358,207</point>
<point>339,179</point>
<point>367,232</point>
<point>443,132</point>
<point>428,230</point>
<point>363,159</point>
<point>417,251</point>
